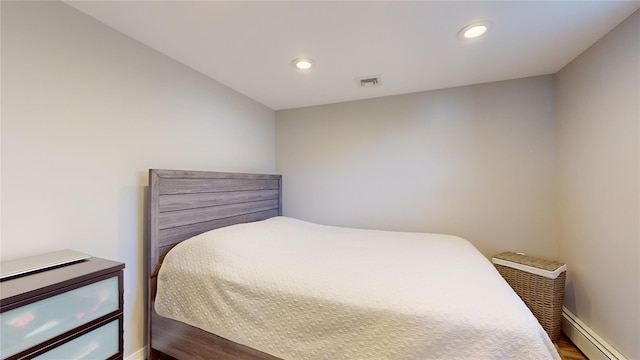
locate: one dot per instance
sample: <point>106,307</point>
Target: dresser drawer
<point>101,343</point>
<point>32,324</point>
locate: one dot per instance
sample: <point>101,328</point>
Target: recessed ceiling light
<point>303,63</point>
<point>474,30</point>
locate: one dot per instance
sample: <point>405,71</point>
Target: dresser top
<point>23,287</point>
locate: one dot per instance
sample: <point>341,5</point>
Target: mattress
<point>298,290</point>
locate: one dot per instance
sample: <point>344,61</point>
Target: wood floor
<point>567,350</point>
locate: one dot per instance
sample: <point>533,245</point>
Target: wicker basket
<point>540,284</point>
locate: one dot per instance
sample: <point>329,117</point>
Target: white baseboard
<point>138,355</point>
<point>590,343</point>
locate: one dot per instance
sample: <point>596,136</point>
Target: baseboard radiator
<point>592,345</point>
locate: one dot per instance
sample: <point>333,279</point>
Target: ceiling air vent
<point>368,81</point>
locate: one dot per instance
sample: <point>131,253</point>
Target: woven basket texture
<point>542,295</point>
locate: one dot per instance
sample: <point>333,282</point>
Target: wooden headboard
<point>183,204</point>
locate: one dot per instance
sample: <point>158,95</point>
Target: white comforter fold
<point>299,290</point>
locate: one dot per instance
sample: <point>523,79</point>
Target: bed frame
<point>186,203</point>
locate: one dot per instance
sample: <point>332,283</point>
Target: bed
<point>231,278</point>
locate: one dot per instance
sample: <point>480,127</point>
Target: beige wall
<point>476,161</point>
<point>86,111</point>
<point>599,172</point>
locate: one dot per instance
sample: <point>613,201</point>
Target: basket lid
<point>543,267</point>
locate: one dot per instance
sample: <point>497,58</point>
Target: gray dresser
<point>72,311</point>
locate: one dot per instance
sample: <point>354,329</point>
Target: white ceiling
<point>413,46</point>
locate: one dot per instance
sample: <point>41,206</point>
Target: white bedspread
<point>298,290</point>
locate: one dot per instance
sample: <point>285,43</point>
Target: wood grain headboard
<point>183,204</point>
